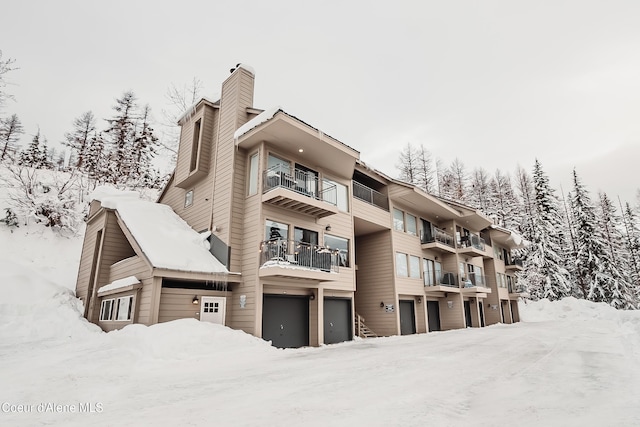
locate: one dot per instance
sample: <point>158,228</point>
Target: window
<point>412,227</point>
<point>398,219</point>
<point>253,174</point>
<point>429,270</point>
<point>414,267</point>
<point>339,196</point>
<point>341,245</point>
<point>125,305</point>
<point>195,145</point>
<point>276,231</point>
<point>106,310</point>
<point>188,198</point>
<point>438,266</point>
<point>401,265</point>
<point>305,236</point>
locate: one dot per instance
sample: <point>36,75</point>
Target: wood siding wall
<point>178,303</point>
<point>375,282</point>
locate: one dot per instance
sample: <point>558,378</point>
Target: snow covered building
<point>271,226</point>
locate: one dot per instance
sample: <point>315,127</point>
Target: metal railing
<point>443,278</point>
<point>473,280</point>
<point>472,240</point>
<point>371,196</point>
<point>299,255</point>
<point>516,289</point>
<point>301,182</point>
<point>515,261</point>
<point>438,235</point>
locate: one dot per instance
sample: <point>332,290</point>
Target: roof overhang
<point>419,201</point>
<point>292,136</point>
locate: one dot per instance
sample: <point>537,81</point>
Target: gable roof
<point>165,239</point>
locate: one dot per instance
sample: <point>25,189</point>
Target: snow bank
<point>34,309</point>
<point>567,308</point>
<point>120,283</point>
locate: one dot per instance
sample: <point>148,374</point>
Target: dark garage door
<point>337,320</point>
<point>285,320</point>
<point>407,318</point>
<point>433,310</point>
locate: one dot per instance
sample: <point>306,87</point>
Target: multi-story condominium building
<point>271,226</point>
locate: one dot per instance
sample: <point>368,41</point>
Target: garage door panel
<point>285,321</point>
<point>337,320</point>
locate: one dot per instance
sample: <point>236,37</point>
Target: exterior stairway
<point>363,330</point>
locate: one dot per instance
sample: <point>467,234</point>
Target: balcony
<point>516,289</point>
<point>299,192</point>
<point>443,282</point>
<point>473,245</point>
<point>288,258</point>
<point>514,264</point>
<point>371,196</point>
<point>475,283</point>
<point>438,240</point>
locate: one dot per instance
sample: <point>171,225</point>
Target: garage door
<point>407,318</point>
<point>337,320</point>
<point>285,320</point>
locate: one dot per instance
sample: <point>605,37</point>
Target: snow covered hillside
<point>568,363</point>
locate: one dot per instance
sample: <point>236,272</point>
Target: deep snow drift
<point>570,363</point>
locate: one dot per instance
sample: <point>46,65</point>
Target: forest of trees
<point>577,245</point>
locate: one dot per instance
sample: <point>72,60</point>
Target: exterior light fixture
<point>300,150</point>
<point>195,300</point>
<point>381,304</point>
<point>328,227</point>
<point>312,296</point>
<point>419,300</point>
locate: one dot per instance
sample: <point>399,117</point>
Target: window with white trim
<point>402,269</point>
<point>414,267</point>
<point>106,309</point>
<point>341,245</point>
<point>398,219</point>
<point>412,225</point>
<point>124,308</point>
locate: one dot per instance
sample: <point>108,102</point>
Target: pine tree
<point>78,139</point>
<point>453,182</point>
<point>96,159</point>
<point>142,152</point>
<point>10,131</point>
<point>545,274</point>
<point>617,263</point>
<point>632,243</point>
<point>121,135</point>
<point>33,156</point>
<point>527,207</point>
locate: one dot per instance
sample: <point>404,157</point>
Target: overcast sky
<point>494,83</point>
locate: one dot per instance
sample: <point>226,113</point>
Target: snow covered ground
<point>568,363</point>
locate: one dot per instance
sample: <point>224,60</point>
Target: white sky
<point>494,83</point>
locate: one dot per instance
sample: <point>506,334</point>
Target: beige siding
<point>452,318</point>
<point>178,303</point>
<point>375,282</point>
<point>370,213</point>
<point>89,250</point>
<point>134,266</point>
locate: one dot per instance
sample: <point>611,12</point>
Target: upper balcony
<point>475,283</point>
<point>288,258</point>
<point>473,245</point>
<point>299,191</point>
<point>443,282</point>
<point>514,264</point>
<point>371,196</point>
<point>438,240</point>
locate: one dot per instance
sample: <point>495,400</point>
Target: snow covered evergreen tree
<point>453,182</point>
<point>545,274</point>
<point>527,209</point>
<point>121,136</point>
<point>632,243</point>
<point>10,131</point>
<point>96,159</point>
<point>617,263</point>
<point>78,139</point>
<point>34,155</point>
<point>142,152</point>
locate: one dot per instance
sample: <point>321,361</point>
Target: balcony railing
<point>474,280</point>
<point>371,196</point>
<point>301,182</point>
<point>444,278</point>
<point>437,235</point>
<point>472,240</point>
<point>516,289</point>
<point>515,261</point>
<point>298,255</point>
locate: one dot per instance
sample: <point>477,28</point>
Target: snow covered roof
<point>119,284</point>
<point>165,239</point>
<point>256,121</point>
<point>192,109</point>
<point>515,239</point>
